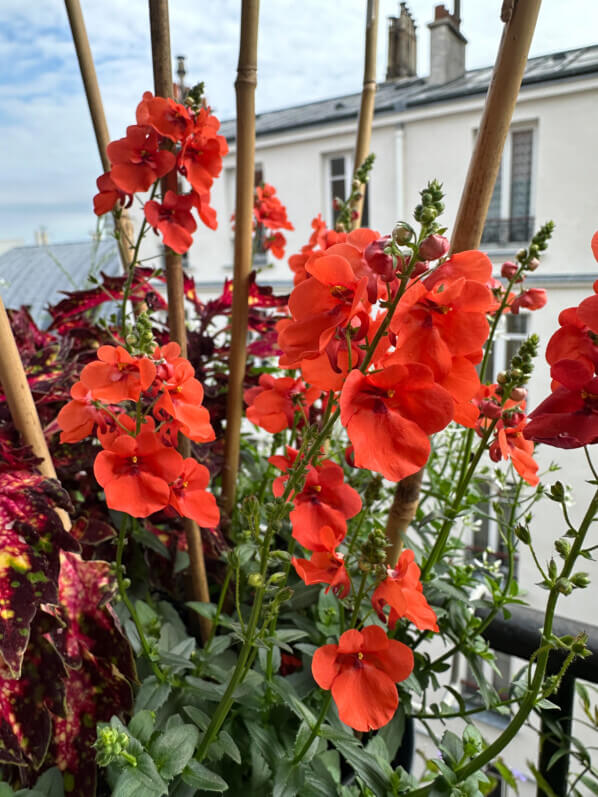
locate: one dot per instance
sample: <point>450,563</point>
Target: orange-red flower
<point>269,210</point>
<point>117,376</point>
<point>275,243</point>
<point>135,472</point>
<point>188,495</point>
<point>136,160</point>
<point>325,567</point>
<point>79,417</point>
<point>331,298</point>
<point>402,591</point>
<point>174,220</point>
<point>181,400</point>
<point>388,416</point>
<point>272,404</point>
<point>324,501</point>
<point>200,158</point>
<point>531,299</point>
<point>510,442</point>
<point>108,195</point>
<point>167,117</point>
<point>362,671</point>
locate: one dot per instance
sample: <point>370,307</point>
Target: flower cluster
<point>568,417</point>
<point>167,136</point>
<point>270,217</point>
<point>139,467</point>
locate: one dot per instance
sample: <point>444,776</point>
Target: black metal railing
<point>520,636</point>
<point>518,229</point>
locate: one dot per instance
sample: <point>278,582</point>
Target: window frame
<point>506,176</point>
<point>327,158</point>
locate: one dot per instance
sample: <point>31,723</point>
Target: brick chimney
<point>402,46</point>
<point>447,46</point>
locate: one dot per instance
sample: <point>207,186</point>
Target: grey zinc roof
<point>36,275</point>
<point>405,93</point>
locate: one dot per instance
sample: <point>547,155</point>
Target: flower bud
<point>518,394</point>
<point>564,586</point>
<point>533,263</point>
<point>490,409</point>
<point>563,547</point>
<point>255,580</point>
<point>580,580</point>
<point>433,247</point>
<point>378,260</point>
<point>508,270</point>
<point>336,203</point>
<point>420,268</point>
<point>354,215</point>
<point>401,233</point>
<point>428,214</point>
<point>522,533</point>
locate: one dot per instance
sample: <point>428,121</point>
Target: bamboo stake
<point>245,89</point>
<point>123,226</point>
<point>368,98</point>
<point>20,403</point>
<point>494,127</point>
<point>163,87</point>
<point>477,193</point>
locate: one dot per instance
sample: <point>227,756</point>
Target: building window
<point>339,174</point>
<point>510,218</point>
<point>260,256</point>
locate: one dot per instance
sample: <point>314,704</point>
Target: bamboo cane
<point>20,402</point>
<point>477,193</point>
<point>245,89</point>
<point>494,127</point>
<point>368,98</point>
<point>123,226</point>
<point>163,87</point>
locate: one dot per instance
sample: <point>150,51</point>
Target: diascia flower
<point>169,118</point>
<point>362,671</point>
<point>324,501</point>
<point>79,417</point>
<point>188,495</point>
<point>402,591</point>
<point>136,160</point>
<point>117,376</point>
<point>174,220</point>
<point>136,471</point>
<point>510,442</point>
<point>273,402</point>
<point>325,567</point>
<point>388,416</point>
<point>181,400</point>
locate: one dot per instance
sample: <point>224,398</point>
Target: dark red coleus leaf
<point>31,538</point>
<point>100,667</point>
<point>27,704</point>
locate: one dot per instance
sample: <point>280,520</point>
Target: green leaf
<point>506,774</point>
<point>201,777</point>
<point>288,779</point>
<point>284,690</point>
<point>366,767</point>
<point>50,783</point>
<point>172,750</point>
<point>229,746</point>
<point>142,725</point>
<point>452,746</point>
<point>150,541</point>
<point>542,782</point>
<point>5,790</point>
<point>196,715</point>
<point>392,732</point>
<point>301,739</point>
<point>152,694</point>
<point>140,781</point>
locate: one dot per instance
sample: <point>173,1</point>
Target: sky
<point>308,50</point>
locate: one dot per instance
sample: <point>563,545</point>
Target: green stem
<point>223,592</point>
<point>315,730</point>
<point>120,546</point>
<point>453,510</point>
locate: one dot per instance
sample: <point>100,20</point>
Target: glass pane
<point>258,175</point>
<point>521,176</point>
<point>338,189</point>
<point>365,213</point>
<point>491,232</point>
<point>517,323</point>
<point>337,166</point>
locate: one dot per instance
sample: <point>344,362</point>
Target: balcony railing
<point>518,229</point>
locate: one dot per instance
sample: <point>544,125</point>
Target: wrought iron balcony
<point>517,229</point>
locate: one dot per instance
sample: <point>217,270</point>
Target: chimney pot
<point>447,46</point>
<point>402,45</point>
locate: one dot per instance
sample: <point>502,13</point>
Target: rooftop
<point>399,95</point>
<point>35,276</point>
